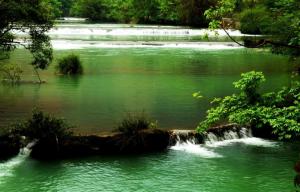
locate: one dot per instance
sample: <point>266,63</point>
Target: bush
<point>12,73</point>
<point>134,123</point>
<point>70,65</point>
<point>253,21</point>
<point>42,127</point>
<point>279,111</point>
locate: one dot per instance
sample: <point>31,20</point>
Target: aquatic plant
<point>70,65</point>
<point>12,73</point>
<point>278,112</point>
<point>133,123</point>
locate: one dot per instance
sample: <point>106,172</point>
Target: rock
<point>146,141</point>
<point>219,131</point>
<point>47,148</point>
<point>265,133</point>
<point>185,135</point>
<point>9,147</point>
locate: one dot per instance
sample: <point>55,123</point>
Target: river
<point>121,75</point>
<point>156,70</point>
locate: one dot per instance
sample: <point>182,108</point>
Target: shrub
<point>253,21</point>
<point>134,123</point>
<point>42,126</point>
<point>70,65</point>
<point>12,72</point>
<point>279,111</point>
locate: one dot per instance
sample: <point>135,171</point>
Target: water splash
<point>7,168</point>
<point>212,141</point>
<point>190,146</point>
<point>242,136</point>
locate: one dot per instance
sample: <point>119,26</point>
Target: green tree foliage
<point>278,19</point>
<point>182,12</point>
<point>192,12</point>
<point>66,7</point>
<point>12,73</point>
<point>95,10</point>
<point>34,17</point>
<point>279,111</point>
<point>146,11</point>
<point>56,7</point>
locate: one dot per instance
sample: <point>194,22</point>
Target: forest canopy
<point>177,12</point>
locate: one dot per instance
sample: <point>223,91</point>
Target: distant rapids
<point>82,35</point>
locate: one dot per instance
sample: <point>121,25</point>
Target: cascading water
<point>189,142</point>
<point>81,35</point>
<point>6,168</point>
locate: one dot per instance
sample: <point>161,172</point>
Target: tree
<point>146,10</point>
<point>192,12</point>
<point>95,10</point>
<point>66,7</point>
<point>34,17</point>
<point>277,112</point>
<point>279,20</point>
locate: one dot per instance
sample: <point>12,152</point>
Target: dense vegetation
<point>279,20</point>
<point>36,18</point>
<point>277,111</point>
<point>179,12</point>
<point>42,126</point>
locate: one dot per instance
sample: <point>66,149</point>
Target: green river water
<point>127,77</point>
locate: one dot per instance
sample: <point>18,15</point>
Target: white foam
<point>65,45</point>
<point>191,147</point>
<point>254,141</point>
<point>98,30</point>
<point>6,168</point>
<point>94,30</point>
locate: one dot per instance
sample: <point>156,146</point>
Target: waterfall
<point>204,144</point>
<point>191,142</point>
<point>6,168</point>
<point>230,134</point>
<point>82,35</point>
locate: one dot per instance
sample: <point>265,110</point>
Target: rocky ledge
<point>145,141</point>
<point>9,147</point>
<point>78,146</point>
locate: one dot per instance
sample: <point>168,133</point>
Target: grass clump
<point>134,123</point>
<point>69,65</point>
